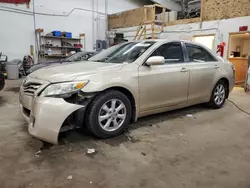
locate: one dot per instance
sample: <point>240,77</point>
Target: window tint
<point>210,57</point>
<point>172,52</point>
<point>127,52</point>
<point>198,54</point>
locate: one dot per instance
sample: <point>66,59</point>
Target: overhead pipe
<point>93,25</point>
<point>106,15</point>
<point>97,21</point>
<point>36,42</point>
<point>16,10</point>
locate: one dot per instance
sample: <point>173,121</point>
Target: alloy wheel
<point>219,94</point>
<point>112,115</point>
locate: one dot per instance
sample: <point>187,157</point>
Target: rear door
<point>203,69</point>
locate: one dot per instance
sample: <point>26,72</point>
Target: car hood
<point>36,67</point>
<point>45,64</point>
<point>69,72</point>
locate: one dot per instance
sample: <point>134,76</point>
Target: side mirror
<point>155,60</point>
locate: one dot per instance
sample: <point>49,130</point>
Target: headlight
<point>63,89</point>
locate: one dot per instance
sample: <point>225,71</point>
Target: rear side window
<point>198,54</point>
<point>172,52</point>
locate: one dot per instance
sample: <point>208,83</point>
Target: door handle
<point>184,69</point>
<point>216,66</point>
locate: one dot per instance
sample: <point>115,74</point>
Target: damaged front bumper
<point>46,115</point>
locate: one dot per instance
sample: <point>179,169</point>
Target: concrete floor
<point>211,150</point>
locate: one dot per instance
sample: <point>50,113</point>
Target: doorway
<point>206,40</point>
<point>238,53</point>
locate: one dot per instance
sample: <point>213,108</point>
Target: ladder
<point>151,24</point>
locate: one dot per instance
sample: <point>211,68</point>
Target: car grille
<point>30,88</point>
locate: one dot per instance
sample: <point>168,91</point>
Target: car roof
<point>167,40</point>
<point>164,41</point>
<point>161,41</point>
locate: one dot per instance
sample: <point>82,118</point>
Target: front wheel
<point>108,114</point>
<point>218,96</point>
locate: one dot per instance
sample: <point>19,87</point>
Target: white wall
<point>207,41</point>
<point>17,30</point>
<point>115,6</point>
<point>246,47</point>
<point>16,34</point>
<point>221,29</point>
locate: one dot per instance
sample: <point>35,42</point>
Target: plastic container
<point>57,33</point>
<point>78,45</point>
<point>49,52</point>
<point>12,69</point>
<point>67,34</point>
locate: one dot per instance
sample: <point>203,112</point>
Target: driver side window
<point>172,52</point>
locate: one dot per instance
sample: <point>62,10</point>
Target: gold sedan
<point>121,84</point>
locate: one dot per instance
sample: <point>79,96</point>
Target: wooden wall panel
<point>126,19</point>
<point>210,10</point>
<point>150,13</point>
<point>224,9</point>
<point>184,21</point>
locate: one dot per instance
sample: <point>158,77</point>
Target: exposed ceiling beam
<point>169,4</point>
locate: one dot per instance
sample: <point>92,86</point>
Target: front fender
<point>126,78</point>
<point>116,85</point>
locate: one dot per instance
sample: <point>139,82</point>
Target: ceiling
<point>169,4</point>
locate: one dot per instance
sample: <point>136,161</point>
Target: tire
<point>101,113</point>
<point>218,96</point>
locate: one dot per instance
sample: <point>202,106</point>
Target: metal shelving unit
<point>66,47</point>
<point>54,37</point>
<point>60,46</point>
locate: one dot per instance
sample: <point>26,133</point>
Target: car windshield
<point>123,53</point>
<point>77,57</point>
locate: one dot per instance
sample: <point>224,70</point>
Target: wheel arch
<point>130,96</point>
<point>226,81</point>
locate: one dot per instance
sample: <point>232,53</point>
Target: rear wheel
<point>218,96</point>
<point>108,114</point>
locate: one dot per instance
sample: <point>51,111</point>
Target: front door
<point>203,68</point>
<point>164,85</point>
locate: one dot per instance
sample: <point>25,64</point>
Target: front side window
<point>198,54</point>
<point>124,53</point>
<point>172,52</point>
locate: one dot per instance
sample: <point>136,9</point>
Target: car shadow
<point>2,101</point>
<point>82,135</point>
<point>13,89</point>
<point>171,115</point>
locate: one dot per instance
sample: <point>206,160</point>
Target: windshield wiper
<point>98,60</point>
<point>66,61</point>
